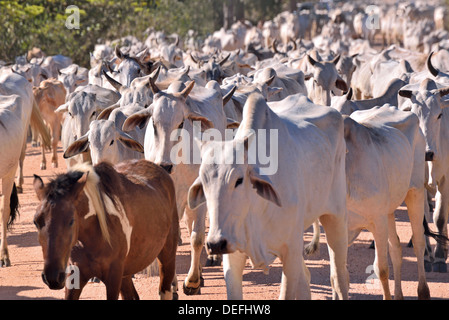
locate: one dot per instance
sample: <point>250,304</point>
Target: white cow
<point>106,140</point>
<point>82,108</point>
<point>384,167</point>
<point>17,111</point>
<point>174,109</point>
<point>426,100</point>
<point>264,216</point>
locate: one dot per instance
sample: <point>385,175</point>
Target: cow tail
<point>13,206</point>
<point>441,239</point>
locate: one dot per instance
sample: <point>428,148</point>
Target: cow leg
<point>56,133</point>
<point>414,201</point>
<point>314,245</point>
<point>44,160</point>
<point>19,181</point>
<point>295,283</point>
<point>380,233</point>
<point>233,265</point>
<point>196,223</point>
<point>336,228</point>
<point>396,256</point>
<point>7,186</point>
<point>440,217</point>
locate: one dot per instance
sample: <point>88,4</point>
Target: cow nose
<point>167,167</point>
<point>219,247</point>
<point>430,155</point>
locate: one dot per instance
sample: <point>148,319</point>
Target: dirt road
<point>23,279</point>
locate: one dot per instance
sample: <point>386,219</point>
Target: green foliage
<point>39,23</point>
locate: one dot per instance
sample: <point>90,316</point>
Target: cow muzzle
<point>218,247</point>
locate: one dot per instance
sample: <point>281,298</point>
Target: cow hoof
<point>175,296</point>
<point>43,166</point>
<point>440,267</point>
<point>372,245</point>
<point>19,189</point>
<point>214,260</point>
<point>54,165</point>
<point>190,291</point>
<point>5,262</point>
<point>428,266</point>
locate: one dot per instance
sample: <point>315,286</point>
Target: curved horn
<point>274,45</point>
<point>311,60</point>
<point>117,85</point>
<point>336,59</point>
<point>229,95</point>
<point>193,59</point>
<point>430,67</point>
<point>295,47</point>
<point>187,90</point>
<point>118,52</point>
<point>443,91</point>
<point>224,59</point>
<point>153,86</point>
<point>349,94</point>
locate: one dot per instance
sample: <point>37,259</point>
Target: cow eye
<point>440,115</point>
<point>70,114</point>
<point>112,142</point>
<point>238,182</point>
<point>71,222</point>
<point>93,114</point>
<point>181,125</point>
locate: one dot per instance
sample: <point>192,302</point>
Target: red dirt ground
<point>23,279</point>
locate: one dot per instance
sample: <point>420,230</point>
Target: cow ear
<point>63,108</point>
<point>264,187</point>
<point>341,84</point>
<point>129,142</point>
<point>104,115</point>
<point>77,147</point>
<point>139,119</point>
<point>205,123</point>
<point>38,185</point>
<point>196,194</point>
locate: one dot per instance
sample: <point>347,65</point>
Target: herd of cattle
<point>356,97</point>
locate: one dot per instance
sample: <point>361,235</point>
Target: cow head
<point>168,113</point>
<point>231,189</point>
<point>428,104</point>
<point>103,138</point>
<point>325,79</point>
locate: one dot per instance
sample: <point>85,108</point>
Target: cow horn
<point>153,86</point>
<point>443,91</point>
<point>224,59</point>
<point>405,93</point>
<point>187,90</point>
<point>117,85</point>
<point>294,44</point>
<point>311,60</point>
<point>229,95</point>
<point>118,52</point>
<point>349,94</point>
<point>336,59</point>
<point>430,67</point>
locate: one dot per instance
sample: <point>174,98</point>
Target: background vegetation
<point>39,23</point>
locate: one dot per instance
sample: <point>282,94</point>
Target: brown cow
<point>49,96</point>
